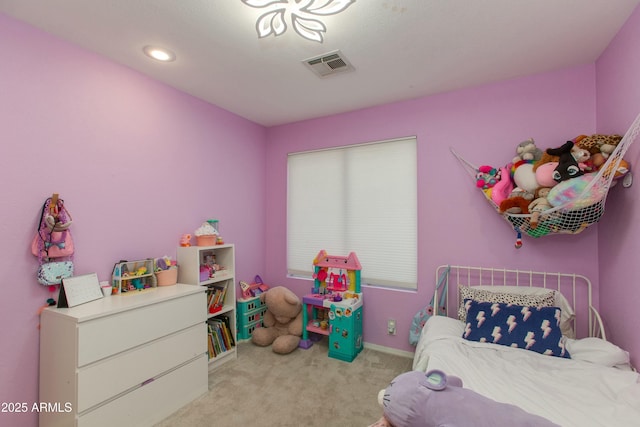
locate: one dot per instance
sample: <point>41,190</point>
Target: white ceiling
<point>401,49</point>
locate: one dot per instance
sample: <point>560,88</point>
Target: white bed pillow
<point>598,351</point>
<point>567,313</point>
<point>439,326</point>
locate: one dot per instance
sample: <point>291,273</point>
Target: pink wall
<point>137,162</point>
<point>129,144</point>
<point>618,103</point>
<point>456,225</point>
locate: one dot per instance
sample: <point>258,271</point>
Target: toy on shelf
<point>185,240</point>
<point>333,268</point>
<point>334,307</point>
<point>166,271</point>
<point>215,224</point>
<point>254,289</point>
<point>206,235</point>
<point>209,268</point>
<point>133,276</point>
<point>250,316</point>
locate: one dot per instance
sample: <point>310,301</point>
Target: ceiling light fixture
<point>159,54</point>
<point>303,15</point>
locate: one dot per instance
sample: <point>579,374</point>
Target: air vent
<point>328,64</point>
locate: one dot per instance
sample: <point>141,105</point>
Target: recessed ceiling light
<point>159,53</point>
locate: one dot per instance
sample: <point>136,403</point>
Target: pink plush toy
<point>487,177</point>
<point>434,399</point>
<point>502,188</point>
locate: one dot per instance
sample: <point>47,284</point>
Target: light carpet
<point>304,388</point>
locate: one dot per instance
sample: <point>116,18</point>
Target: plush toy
<point>567,164</point>
<point>606,150</point>
<point>282,322</point>
<point>519,192</point>
<point>539,205</point>
<point>487,177</point>
<point>597,160</point>
<point>515,205</point>
<point>569,193</point>
<point>527,150</point>
<point>544,174</point>
<point>622,170</point>
<point>502,188</point>
<point>524,176</point>
<point>595,143</point>
<point>434,399</point>
<point>581,155</point>
<point>547,158</point>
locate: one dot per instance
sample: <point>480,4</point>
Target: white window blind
<point>361,199</point>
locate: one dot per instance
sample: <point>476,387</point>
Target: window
<point>362,199</point>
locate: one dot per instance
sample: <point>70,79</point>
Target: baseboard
<point>389,350</point>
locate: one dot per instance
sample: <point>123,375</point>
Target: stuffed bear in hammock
<point>416,399</point>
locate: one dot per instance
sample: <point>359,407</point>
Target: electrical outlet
<point>391,327</point>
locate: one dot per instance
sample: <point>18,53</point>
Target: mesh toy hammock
<point>577,213</point>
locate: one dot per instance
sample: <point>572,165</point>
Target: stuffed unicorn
<point>416,399</point>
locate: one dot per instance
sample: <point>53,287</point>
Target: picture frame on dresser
<point>76,290</point>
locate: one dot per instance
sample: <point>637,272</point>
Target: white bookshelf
<point>190,259</point>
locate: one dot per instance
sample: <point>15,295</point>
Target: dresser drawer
<point>109,377</point>
<point>151,403</point>
<point>109,335</point>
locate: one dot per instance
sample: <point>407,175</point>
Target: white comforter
<point>568,392</point>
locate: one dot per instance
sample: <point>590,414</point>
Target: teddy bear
<point>282,322</point>
<point>527,150</point>
<point>433,399</point>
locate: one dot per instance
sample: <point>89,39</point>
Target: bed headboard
<point>576,288</point>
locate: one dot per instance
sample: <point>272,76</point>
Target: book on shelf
<point>224,333</point>
<point>215,297</point>
<point>212,352</point>
<point>227,323</point>
<point>220,337</point>
<point>215,342</point>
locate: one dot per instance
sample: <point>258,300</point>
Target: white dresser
<point>124,360</point>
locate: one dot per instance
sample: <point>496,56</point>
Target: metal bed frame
<point>576,288</point>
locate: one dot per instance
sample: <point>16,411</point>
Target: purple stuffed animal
<point>416,399</point>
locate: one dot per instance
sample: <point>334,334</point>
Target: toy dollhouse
<point>334,307</point>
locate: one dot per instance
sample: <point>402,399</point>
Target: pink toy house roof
<point>350,262</point>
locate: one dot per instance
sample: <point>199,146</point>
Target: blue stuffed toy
<point>434,399</point>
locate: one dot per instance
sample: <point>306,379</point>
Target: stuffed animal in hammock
<point>416,399</point>
<point>568,166</point>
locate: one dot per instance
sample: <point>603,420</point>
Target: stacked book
<point>215,298</point>
<point>220,336</point>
